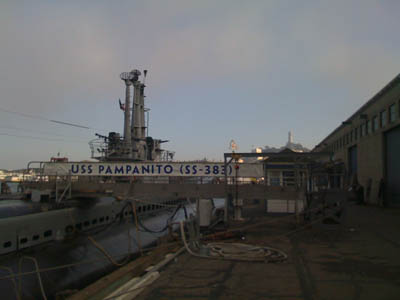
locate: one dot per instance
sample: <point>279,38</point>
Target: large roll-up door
<point>392,138</point>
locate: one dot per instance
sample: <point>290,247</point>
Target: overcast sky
<point>217,70</point>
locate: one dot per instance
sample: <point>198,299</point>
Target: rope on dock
<point>235,251</point>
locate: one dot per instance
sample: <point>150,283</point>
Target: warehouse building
<point>368,145</point>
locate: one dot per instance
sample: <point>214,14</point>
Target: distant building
<point>368,144</point>
<point>4,174</point>
<point>297,147</point>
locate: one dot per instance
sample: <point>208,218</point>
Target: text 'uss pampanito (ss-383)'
<point>152,169</point>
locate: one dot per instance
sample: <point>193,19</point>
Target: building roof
<point>374,99</point>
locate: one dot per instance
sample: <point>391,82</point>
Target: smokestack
<point>127,129</point>
<point>135,126</point>
<point>135,105</point>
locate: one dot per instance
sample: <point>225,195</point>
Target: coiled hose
<point>235,251</point>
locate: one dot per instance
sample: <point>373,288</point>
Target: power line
<point>70,124</point>
<point>46,119</point>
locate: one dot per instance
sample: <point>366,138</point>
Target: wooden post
<point>236,204</point>
<point>56,189</point>
<point>197,229</point>
<point>265,185</point>
<point>226,192</point>
<point>296,206</point>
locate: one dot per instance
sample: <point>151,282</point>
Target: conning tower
<point>135,145</point>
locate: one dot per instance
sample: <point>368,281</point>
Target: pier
<point>356,260</point>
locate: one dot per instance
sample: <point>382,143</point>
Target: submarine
<point>60,236</point>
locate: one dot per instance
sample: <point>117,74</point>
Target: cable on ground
<point>37,272</point>
<point>137,228</point>
<point>17,294</point>
<point>168,223</point>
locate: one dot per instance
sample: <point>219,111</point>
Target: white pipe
<point>138,284</point>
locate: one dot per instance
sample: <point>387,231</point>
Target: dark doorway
<point>353,165</point>
<point>392,194</point>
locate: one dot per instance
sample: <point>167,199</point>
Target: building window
<point>375,124</point>
<point>369,127</point>
<point>274,178</point>
<point>288,178</point>
<point>392,113</point>
<point>383,118</point>
<point>355,134</point>
<point>361,130</point>
<point>351,136</point>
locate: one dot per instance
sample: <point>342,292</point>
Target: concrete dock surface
<point>358,259</point>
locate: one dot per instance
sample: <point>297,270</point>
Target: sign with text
<point>151,169</point>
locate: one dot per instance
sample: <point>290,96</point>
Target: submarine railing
<point>230,184</point>
<point>68,188</point>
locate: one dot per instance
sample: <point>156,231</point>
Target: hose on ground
<point>235,251</point>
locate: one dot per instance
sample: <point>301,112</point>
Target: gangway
<point>234,180</point>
